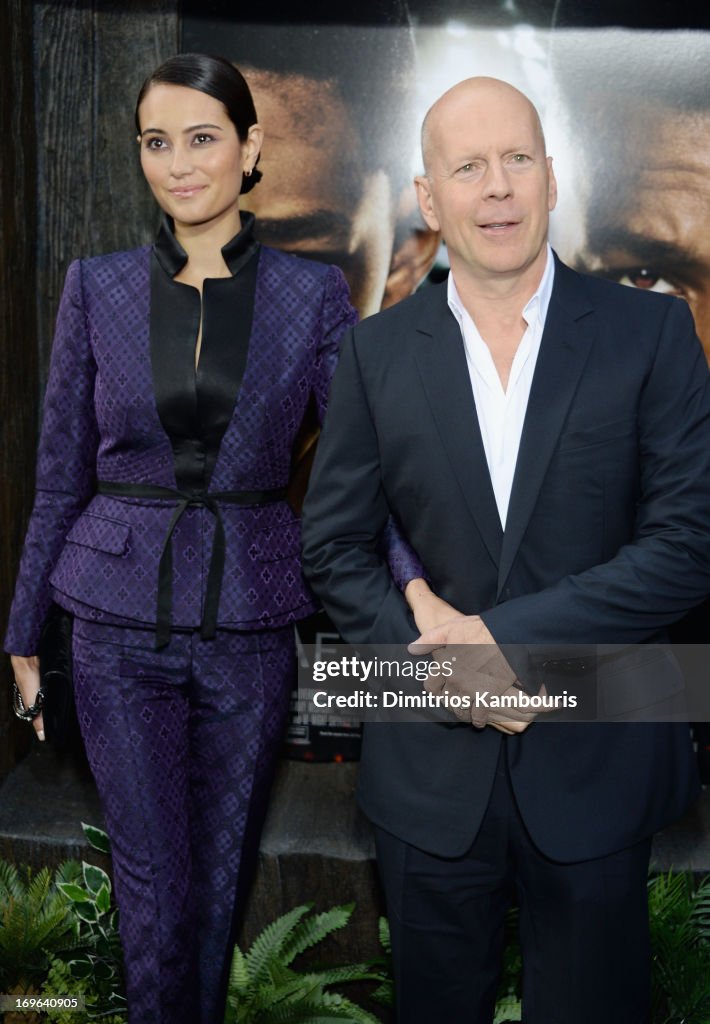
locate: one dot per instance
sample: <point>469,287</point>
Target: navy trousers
<point>583,926</point>
<point>182,743</point>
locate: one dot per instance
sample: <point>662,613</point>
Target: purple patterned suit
<point>181,740</point>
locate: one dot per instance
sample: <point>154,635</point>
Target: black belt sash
<point>187,500</point>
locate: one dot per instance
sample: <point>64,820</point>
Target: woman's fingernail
<point>40,735</point>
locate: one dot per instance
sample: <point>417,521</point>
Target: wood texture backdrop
<point>71,186</point>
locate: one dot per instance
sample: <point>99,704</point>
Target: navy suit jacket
<point>607,541</point>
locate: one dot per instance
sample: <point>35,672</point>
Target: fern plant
<point>679,915</point>
<point>264,989</point>
<point>34,923</point>
<point>384,993</point>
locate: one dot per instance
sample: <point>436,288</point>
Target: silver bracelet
<point>26,714</point>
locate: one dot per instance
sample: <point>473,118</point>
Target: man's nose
<point>496,183</point>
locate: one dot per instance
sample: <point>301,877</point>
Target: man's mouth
<point>499,225</point>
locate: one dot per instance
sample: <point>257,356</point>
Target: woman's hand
<point>27,678</point>
<point>429,610</point>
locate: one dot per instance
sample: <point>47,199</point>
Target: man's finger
<point>435,684</point>
<point>424,645</point>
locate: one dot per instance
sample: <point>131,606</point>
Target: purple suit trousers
<point>182,743</point>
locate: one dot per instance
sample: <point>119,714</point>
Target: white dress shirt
<point>501,413</point>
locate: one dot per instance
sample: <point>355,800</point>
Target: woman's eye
<point>155,143</point>
<point>649,280</point>
<point>201,139</point>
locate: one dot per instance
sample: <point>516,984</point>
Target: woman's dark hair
<point>216,77</point>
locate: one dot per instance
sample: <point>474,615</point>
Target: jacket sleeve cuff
<point>402,560</point>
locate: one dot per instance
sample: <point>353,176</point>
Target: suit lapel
<point>442,364</point>
<point>564,350</point>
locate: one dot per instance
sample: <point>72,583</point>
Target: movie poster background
<point>624,97</point>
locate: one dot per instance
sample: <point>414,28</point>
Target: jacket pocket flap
<point>597,434</point>
<point>644,680</point>
<point>100,533</point>
<point>280,541</point>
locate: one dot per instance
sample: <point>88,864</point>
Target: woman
<point>180,374</point>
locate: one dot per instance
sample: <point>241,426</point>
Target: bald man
<point>543,439</point>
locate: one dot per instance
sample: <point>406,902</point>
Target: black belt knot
<point>185,500</point>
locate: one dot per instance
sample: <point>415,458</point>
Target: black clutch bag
<point>55,677</point>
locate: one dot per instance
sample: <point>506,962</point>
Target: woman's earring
<point>247,174</point>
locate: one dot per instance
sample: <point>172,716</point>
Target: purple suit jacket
<point>98,555</point>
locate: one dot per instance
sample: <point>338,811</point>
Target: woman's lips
<point>186,191</point>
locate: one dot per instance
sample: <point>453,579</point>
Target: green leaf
<point>309,1013</point>
<point>68,871</point>
<point>508,1009</point>
<point>267,946</point>
<point>95,878</point>
<point>313,929</point>
<point>80,968</point>
<point>97,838</point>
<point>384,994</point>
<point>356,1013</point>
<point>346,972</point>
<point>73,892</point>
<point>11,886</point>
<point>87,912</point>
<point>103,970</point>
<point>238,973</point>
<point>103,900</point>
<point>384,933</point>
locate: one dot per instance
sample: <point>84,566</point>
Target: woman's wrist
<point>417,592</point>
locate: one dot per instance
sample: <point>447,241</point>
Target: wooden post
<point>18,338</point>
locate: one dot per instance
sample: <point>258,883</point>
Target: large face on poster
<point>632,110</point>
<point>337,103</point>
<point>626,114</point>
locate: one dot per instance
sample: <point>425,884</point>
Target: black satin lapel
<point>565,347</point>
<point>441,358</point>
<point>228,312</point>
<point>174,323</point>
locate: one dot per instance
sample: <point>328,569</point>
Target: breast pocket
<point>597,434</point>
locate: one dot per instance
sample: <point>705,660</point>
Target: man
<point>543,440</point>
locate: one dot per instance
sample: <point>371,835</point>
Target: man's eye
<point>649,280</point>
<point>472,167</point>
<point>520,158</point>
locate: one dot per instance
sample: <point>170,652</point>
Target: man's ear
<point>415,247</point>
<point>411,262</point>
